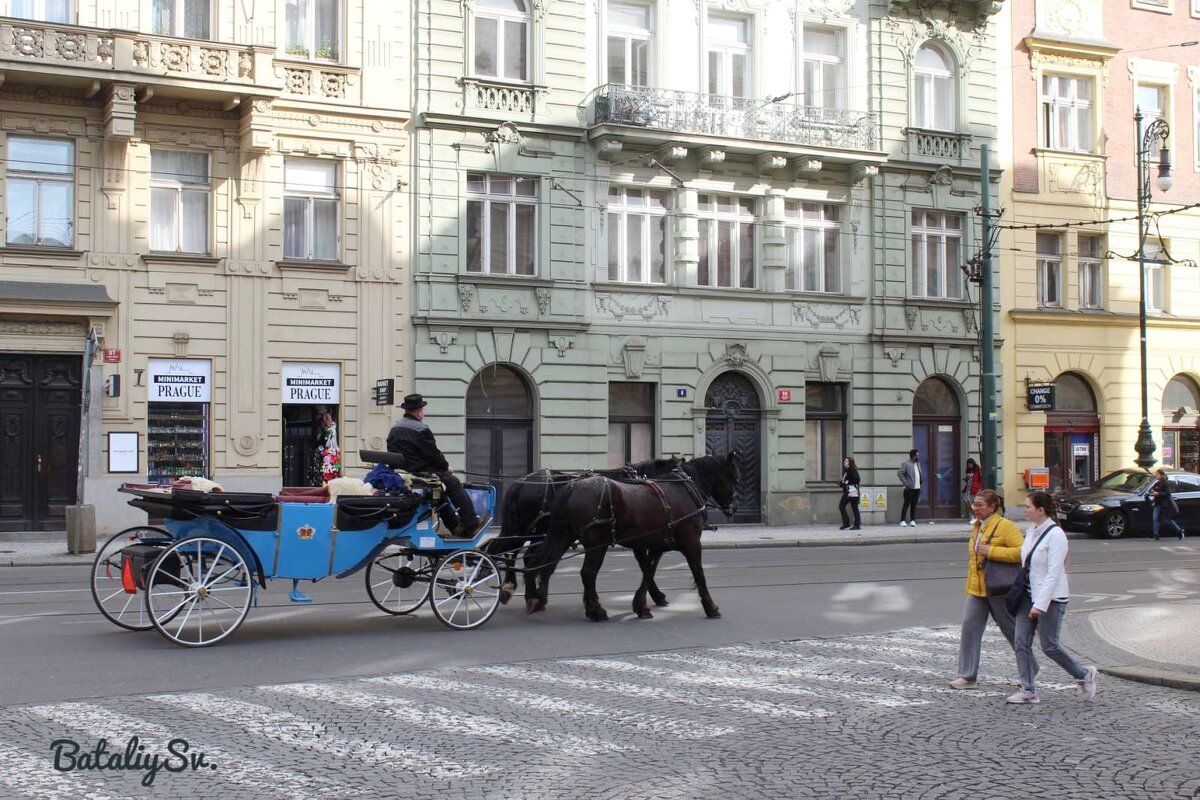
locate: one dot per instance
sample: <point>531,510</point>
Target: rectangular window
<point>936,254</point>
<point>41,192</point>
<point>630,423</point>
<point>1156,275</point>
<point>637,235</point>
<point>42,10</point>
<point>727,241</point>
<point>502,39</point>
<point>1091,271</point>
<point>501,224</point>
<point>1152,102</point>
<point>1049,269</point>
<point>728,61</point>
<point>630,42</point>
<point>311,210</point>
<point>1067,113</point>
<point>813,233</point>
<point>186,18</point>
<point>180,192</point>
<point>824,68</point>
<point>825,430</point>
<point>313,28</point>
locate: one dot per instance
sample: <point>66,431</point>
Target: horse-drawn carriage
<point>195,577</point>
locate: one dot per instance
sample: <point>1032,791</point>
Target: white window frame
<point>162,182</point>
<point>310,197</point>
<point>1151,114</point>
<point>1196,116</point>
<point>1156,275</point>
<point>1165,7</point>
<point>310,45</point>
<point>1091,274</point>
<point>709,226</point>
<point>1051,105</point>
<point>178,15</point>
<point>619,212</point>
<point>491,197</point>
<point>500,17</point>
<point>727,50</point>
<point>628,36</point>
<point>1049,250</point>
<point>821,63</point>
<point>40,177</point>
<point>949,275</point>
<point>38,12</point>
<point>926,83</point>
<point>797,225</point>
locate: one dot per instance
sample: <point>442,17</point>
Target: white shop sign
<point>312,384</point>
<point>179,380</point>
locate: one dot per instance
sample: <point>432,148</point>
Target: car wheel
<point>1115,525</point>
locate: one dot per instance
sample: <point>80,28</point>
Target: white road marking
<point>40,782</point>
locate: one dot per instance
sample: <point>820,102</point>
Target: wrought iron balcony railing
<point>733,117</point>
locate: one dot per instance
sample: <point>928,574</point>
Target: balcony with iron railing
<point>635,112</point>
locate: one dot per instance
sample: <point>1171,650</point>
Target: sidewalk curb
<point>1158,677</point>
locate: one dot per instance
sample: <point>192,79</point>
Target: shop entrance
<point>1181,424</point>
<point>732,423</point>
<point>936,438</point>
<point>39,439</point>
<point>499,429</point>
<point>312,394</point>
<point>1072,434</point>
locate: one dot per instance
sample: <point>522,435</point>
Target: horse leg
<point>649,563</point>
<point>592,562</point>
<point>548,556</point>
<point>656,594</point>
<point>691,551</point>
<point>533,575</point>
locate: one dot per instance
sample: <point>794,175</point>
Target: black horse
<point>525,515</point>
<point>648,517</point>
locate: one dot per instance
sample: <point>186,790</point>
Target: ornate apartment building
<point>1081,69</point>
<point>214,196</point>
<point>675,226</point>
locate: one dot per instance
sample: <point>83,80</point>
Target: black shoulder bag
<point>998,576</point>
<point>1020,586</point>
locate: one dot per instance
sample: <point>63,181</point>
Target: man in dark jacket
<point>412,438</point>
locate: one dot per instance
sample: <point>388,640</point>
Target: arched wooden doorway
<point>499,429</point>
<point>936,428</point>
<point>734,423</point>
<point>1072,434</point>
<point>1181,424</point>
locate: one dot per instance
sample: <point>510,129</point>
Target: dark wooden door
<point>734,423</point>
<point>941,476</point>
<point>39,439</point>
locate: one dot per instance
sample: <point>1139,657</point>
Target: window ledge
<point>314,266</point>
<point>508,281</point>
<point>35,250</point>
<point>181,258</point>
<point>1042,152</point>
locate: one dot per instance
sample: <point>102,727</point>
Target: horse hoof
<point>661,602</point>
<point>531,607</point>
<point>645,614</point>
<point>506,593</point>
<point>714,614</point>
<point>598,616</point>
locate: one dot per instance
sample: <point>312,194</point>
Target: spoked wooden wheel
<point>199,591</point>
<point>398,580</point>
<point>116,585</point>
<point>465,590</point>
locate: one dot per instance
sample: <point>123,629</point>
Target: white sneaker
<point>1087,686</point>
<point>1023,697</point>
<point>962,683</point>
<point>903,524</point>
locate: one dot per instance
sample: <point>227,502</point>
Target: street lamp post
<point>1156,131</point>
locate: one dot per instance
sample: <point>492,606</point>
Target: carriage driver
<point>412,438</point>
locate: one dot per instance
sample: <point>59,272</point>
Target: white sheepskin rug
<point>348,486</point>
<point>198,484</point>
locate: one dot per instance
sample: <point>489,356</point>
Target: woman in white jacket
<point>1042,610</point>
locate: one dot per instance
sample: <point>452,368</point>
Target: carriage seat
<point>360,513</point>
<point>252,511</point>
<point>303,494</point>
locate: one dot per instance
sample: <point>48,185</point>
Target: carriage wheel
<point>117,593</point>
<point>398,580</point>
<point>199,591</point>
<point>465,590</point>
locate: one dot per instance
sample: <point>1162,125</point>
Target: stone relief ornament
<point>913,315</point>
<point>736,355</point>
<point>827,315</point>
<point>246,445</point>
<point>562,344</point>
<point>443,339</point>
<point>894,354</point>
<point>245,65</point>
<point>213,62</point>
<point>827,9</point>
<point>503,304</point>
<point>466,293</point>
<point>633,305</point>
<point>940,323</point>
<point>543,299</point>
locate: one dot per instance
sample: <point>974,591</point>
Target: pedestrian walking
<point>1042,609</point>
<point>972,484</point>
<point>911,478</point>
<point>1163,505</point>
<point>851,494</point>
<point>994,538</point>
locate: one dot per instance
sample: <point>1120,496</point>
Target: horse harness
<point>652,486</point>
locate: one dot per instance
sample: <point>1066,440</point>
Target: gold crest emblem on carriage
<point>305,532</point>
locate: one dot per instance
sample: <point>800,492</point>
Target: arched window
<point>1072,393</point>
<point>1181,424</point>
<point>1181,393</point>
<point>934,90</point>
<point>502,39</point>
<point>934,398</point>
<point>499,428</point>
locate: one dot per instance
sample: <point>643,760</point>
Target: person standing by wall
<point>851,494</point>
<point>910,476</point>
<point>1163,505</point>
<point>972,484</point>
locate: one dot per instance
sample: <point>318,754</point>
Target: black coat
<point>412,438</point>
<point>849,478</point>
<point>1160,496</point>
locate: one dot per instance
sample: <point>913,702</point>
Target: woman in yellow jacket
<point>998,539</point>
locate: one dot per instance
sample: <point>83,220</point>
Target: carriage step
<point>297,596</point>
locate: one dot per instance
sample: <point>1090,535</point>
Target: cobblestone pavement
<point>853,717</point>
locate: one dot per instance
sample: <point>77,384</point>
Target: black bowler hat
<point>412,402</point>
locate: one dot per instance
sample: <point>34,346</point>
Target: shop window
<point>186,18</point>
<point>934,89</point>
<point>936,254</point>
<point>180,196</point>
<point>813,233</point>
<point>40,196</point>
<point>630,423</point>
<point>824,430</point>
<point>311,210</point>
<point>178,398</point>
<point>1181,424</point>
<point>727,241</point>
<point>630,43</point>
<point>637,235</point>
<point>313,28</point>
<point>501,224</point>
<point>502,39</point>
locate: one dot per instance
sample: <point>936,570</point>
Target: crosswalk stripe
<point>458,722</point>
<point>16,776</point>
<point>642,721</point>
<point>791,656</point>
<point>296,731</point>
<point>653,694</point>
<point>251,773</point>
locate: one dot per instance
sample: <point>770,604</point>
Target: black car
<point>1119,503</point>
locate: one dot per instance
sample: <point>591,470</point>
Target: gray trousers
<point>975,617</point>
<point>1047,627</point>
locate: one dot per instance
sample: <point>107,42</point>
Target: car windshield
<point>1125,480</point>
